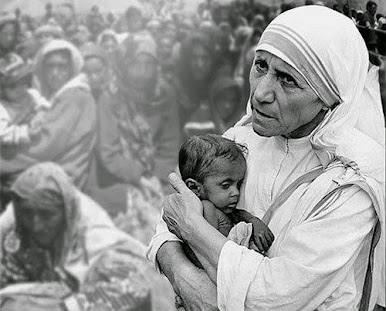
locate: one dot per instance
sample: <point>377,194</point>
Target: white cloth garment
<point>319,258</point>
<point>316,261</point>
<point>355,129</point>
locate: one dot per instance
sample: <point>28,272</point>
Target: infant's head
<point>213,167</point>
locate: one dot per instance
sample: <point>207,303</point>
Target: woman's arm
<point>313,261</point>
<point>189,282</point>
<point>183,214</point>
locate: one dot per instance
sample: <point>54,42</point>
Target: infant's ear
<point>194,185</point>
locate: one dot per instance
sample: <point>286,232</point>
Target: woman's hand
<point>180,207</point>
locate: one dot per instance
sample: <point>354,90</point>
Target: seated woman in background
<point>63,245</point>
<point>68,128</point>
<point>122,177</point>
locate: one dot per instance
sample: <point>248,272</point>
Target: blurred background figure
<point>9,33</point>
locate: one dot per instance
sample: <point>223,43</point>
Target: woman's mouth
<point>261,114</point>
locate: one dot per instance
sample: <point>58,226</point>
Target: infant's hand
<point>36,124</point>
<point>262,236</point>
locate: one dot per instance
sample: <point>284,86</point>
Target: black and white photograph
<point>192,155</point>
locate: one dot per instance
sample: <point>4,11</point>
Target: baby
<point>21,107</point>
<point>213,167</point>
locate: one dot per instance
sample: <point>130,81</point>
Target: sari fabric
<point>99,265</point>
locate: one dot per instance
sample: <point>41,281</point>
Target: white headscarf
<point>77,80</point>
<point>325,47</point>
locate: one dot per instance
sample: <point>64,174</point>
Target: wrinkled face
<point>226,103</point>
<point>7,35</point>
<point>96,71</point>
<point>109,45</point>
<point>222,188</point>
<point>43,221</point>
<point>200,63</point>
<point>143,70</point>
<point>16,93</point>
<point>281,99</point>
<point>57,70</point>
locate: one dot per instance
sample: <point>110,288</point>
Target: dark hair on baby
<point>198,153</point>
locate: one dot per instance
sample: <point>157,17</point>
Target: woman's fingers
<point>177,183</point>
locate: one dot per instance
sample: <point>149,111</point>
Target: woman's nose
<point>264,91</point>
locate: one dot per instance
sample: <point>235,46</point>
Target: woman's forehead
<point>280,65</point>
<point>41,201</point>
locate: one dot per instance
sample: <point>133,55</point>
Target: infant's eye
<point>239,184</point>
<point>225,185</point>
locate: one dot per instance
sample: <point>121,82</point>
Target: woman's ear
<point>195,186</point>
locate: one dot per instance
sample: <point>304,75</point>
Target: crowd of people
<point>108,100</point>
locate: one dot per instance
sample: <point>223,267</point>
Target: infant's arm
<point>218,220</point>
<point>262,235</point>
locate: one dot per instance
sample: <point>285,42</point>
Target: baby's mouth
<point>232,205</point>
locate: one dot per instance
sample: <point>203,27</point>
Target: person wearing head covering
<point>111,170</point>
<point>108,40</point>
<point>315,174</point>
<point>19,103</point>
<point>198,65</point>
<point>66,251</point>
<point>154,99</point>
<point>68,129</point>
<point>136,136</point>
<point>9,33</point>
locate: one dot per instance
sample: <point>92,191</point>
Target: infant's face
<point>223,187</point>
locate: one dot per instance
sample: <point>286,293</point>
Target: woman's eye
<point>261,65</point>
<point>288,80</point>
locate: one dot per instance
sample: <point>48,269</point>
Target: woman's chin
<point>261,130</point>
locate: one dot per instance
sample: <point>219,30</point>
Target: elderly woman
<point>63,245</point>
<point>68,128</point>
<point>315,174</point>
